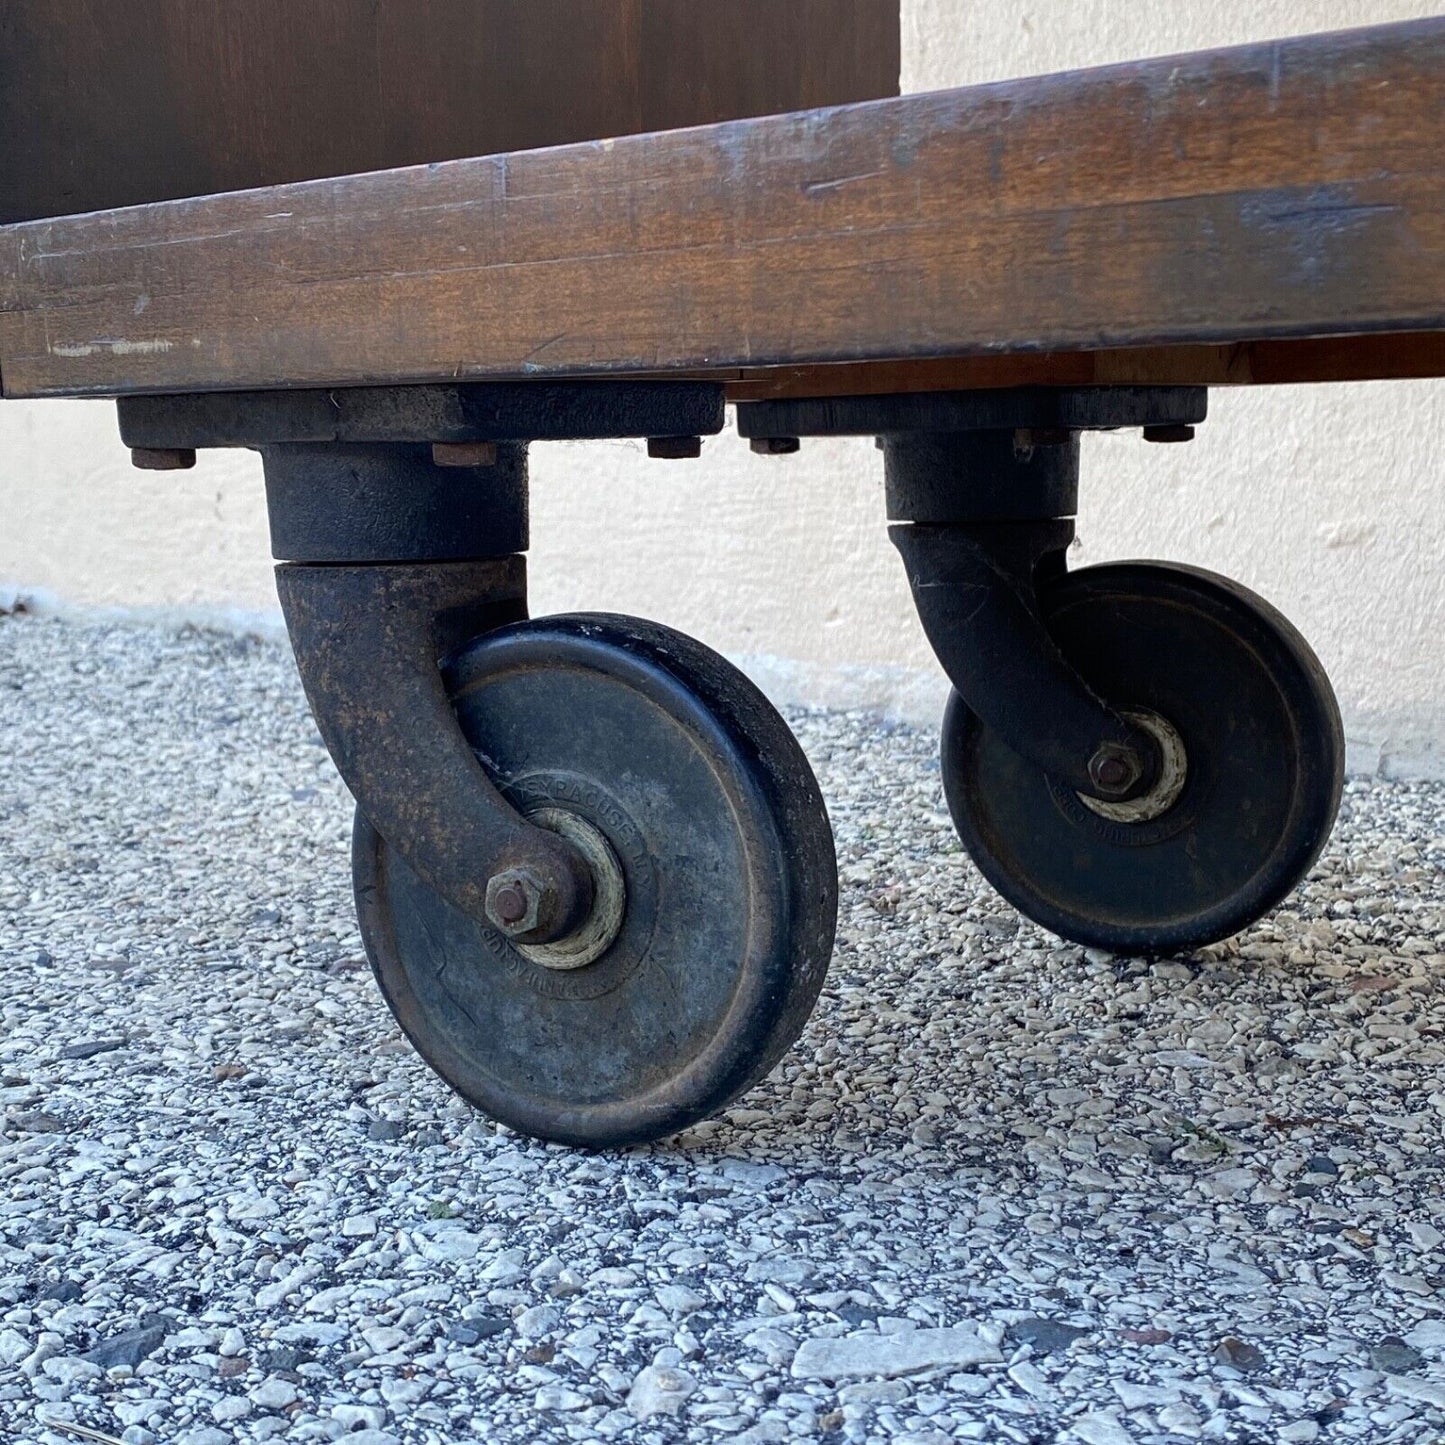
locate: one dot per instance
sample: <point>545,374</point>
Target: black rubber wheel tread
<point>799,849</point>
<point>1264,641</point>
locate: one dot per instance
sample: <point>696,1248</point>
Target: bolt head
<point>674,449</point>
<point>163,459</point>
<point>515,897</point>
<point>775,446</point>
<point>1114,769</point>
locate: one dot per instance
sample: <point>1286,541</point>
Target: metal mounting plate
<point>1074,408</point>
<point>510,411</point>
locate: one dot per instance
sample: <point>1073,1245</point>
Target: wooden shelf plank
<point>1260,197</point>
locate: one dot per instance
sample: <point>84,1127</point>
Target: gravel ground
<point>1002,1190</point>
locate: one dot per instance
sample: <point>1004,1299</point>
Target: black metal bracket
<point>392,561</point>
<point>975,586</point>
<point>399,514</point>
<point>985,485</point>
<point>368,640</point>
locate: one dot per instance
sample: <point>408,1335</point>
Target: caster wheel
<point>1253,760</point>
<point>716,888</point>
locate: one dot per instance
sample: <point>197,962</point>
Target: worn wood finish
<point>128,101</point>
<point>1367,357</point>
<point>1264,194</point>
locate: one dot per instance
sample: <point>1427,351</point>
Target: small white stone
<point>401,1393</point>
<point>1406,1283</point>
<point>190,1339</point>
<point>874,1392</point>
<point>13,1347</point>
<point>271,1295</point>
<point>862,1356</point>
<point>1139,1397</point>
<point>358,1226</point>
<point>1100,1427</point>
<point>614,1277</point>
<point>383,1339</point>
<point>777,1347</point>
<point>456,1246</point>
<point>1428,1338</point>
<point>1427,1392</point>
<point>359,1417</point>
<point>558,1397</point>
<point>1030,1379</point>
<point>677,1299</point>
<point>1425,1236</point>
<point>1181,1420</point>
<point>659,1390</point>
<point>537,1321</point>
<point>70,1371</point>
<point>274,1393</point>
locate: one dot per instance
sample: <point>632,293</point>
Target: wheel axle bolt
<point>1114,769</point>
<point>515,898</point>
<point>511,904</point>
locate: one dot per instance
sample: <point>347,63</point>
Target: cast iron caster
<point>714,879</point>
<point>1252,763</point>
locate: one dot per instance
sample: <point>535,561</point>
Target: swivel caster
<point>1140,757</point>
<point>1251,758</point>
<point>593,871</point>
<point>714,888</point>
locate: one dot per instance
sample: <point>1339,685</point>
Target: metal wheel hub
<point>609,894</point>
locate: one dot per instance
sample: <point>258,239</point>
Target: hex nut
<point>1114,769</point>
<point>514,901</point>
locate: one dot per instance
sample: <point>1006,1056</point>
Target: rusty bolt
<point>674,449</point>
<point>1114,769</point>
<point>775,446</point>
<point>515,897</point>
<point>163,459</point>
<point>1169,433</point>
<point>464,454</point>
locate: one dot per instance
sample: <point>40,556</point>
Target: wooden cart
<point>593,871</point>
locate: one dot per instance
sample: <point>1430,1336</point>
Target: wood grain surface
<point>107,103</point>
<point>1279,194</point>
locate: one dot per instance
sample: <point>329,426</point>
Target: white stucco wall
<point>1328,500</point>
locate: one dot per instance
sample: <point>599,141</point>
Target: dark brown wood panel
<point>749,53</point>
<point>117,102</point>
<point>1272,192</point>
